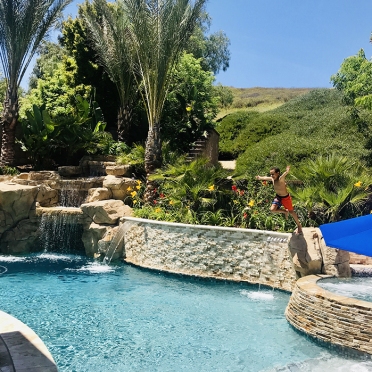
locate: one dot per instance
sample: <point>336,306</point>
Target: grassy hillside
<point>309,125</point>
<point>261,99</point>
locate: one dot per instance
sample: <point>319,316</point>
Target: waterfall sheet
<point>353,235</point>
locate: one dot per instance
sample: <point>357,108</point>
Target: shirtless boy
<point>282,197</point>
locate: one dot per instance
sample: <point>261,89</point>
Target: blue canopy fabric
<point>353,235</point>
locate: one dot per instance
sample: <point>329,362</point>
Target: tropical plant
<point>50,56</point>
<point>37,137</point>
<point>134,157</point>
<point>200,194</point>
<point>159,31</point>
<point>334,188</point>
<point>23,25</point>
<point>108,29</point>
<point>191,104</point>
<point>77,131</point>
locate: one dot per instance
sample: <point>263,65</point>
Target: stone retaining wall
<point>254,256</point>
<point>329,317</point>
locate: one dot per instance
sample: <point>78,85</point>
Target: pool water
<point>358,287</point>
<point>94,317</point>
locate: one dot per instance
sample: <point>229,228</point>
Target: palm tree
<point>159,32</point>
<point>23,25</point>
<point>108,29</point>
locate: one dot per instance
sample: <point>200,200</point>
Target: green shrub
<point>316,124</point>
<point>10,171</point>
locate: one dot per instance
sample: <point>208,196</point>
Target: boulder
<point>119,170</point>
<point>19,239</point>
<point>70,171</point>
<point>17,203</point>
<point>305,251</point>
<point>43,175</point>
<point>99,193</point>
<point>47,197</point>
<point>121,187</point>
<point>106,211</point>
<point>336,262</point>
<point>91,237</point>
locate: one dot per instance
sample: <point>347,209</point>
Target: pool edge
<point>334,319</point>
<point>26,350</point>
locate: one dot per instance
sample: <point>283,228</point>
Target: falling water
<point>71,195</point>
<point>60,233</point>
<point>116,241</point>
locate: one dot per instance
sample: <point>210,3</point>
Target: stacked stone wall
<point>329,317</point>
<point>254,256</point>
<point>360,259</point>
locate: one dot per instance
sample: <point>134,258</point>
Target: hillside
<point>261,99</point>
<point>312,124</point>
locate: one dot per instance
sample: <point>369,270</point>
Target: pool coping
<point>25,351</point>
<point>329,317</point>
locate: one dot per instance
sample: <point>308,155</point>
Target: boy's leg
<point>276,208</point>
<point>298,223</point>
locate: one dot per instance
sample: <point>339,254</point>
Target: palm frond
<point>23,25</point>
<point>159,32</point>
<point>108,31</point>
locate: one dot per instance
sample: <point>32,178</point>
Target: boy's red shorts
<point>285,201</point>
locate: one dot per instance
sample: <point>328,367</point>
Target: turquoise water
<point>94,317</point>
<point>359,287</point>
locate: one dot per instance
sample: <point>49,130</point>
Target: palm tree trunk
<point>124,120</point>
<point>153,160</point>
<point>8,127</point>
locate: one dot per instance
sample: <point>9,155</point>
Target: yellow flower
<point>171,202</point>
<point>138,187</point>
<point>251,203</point>
<point>133,193</point>
<point>358,184</point>
<point>157,210</point>
<point>235,201</point>
<point>129,188</point>
<point>138,182</point>
<point>134,201</point>
<point>211,188</point>
<point>188,108</point>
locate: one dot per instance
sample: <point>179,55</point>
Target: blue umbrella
<point>353,235</point>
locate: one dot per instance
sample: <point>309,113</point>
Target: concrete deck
<point>21,350</point>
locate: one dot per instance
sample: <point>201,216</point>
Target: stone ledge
<point>328,317</point>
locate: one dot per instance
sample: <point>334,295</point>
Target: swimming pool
<point>94,317</point>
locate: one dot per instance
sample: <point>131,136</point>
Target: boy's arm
<point>282,176</point>
<point>263,178</point>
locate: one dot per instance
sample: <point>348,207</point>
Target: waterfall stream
<point>60,233</point>
<point>116,241</point>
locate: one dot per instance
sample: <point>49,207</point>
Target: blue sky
<point>287,43</point>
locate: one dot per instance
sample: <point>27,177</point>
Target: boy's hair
<point>276,169</point>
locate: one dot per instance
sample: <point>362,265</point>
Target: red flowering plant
<point>249,207</point>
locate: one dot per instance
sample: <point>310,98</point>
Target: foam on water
<point>56,257</point>
<point>11,258</point>
<point>95,268</point>
<point>325,363</point>
<point>258,296</point>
